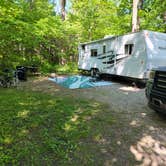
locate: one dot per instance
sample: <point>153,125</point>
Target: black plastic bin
<point>21,73</point>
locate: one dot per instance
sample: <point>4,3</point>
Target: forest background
<point>34,33</point>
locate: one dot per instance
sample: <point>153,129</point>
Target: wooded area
<point>33,33</point>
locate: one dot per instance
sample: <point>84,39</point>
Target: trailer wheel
<point>94,73</point>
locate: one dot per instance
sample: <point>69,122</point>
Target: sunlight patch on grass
<point>42,129</point>
<point>74,118</point>
<point>67,127</point>
<point>23,114</point>
<point>23,104</point>
<point>98,137</point>
<point>7,140</point>
<point>52,102</point>
<point>24,132</point>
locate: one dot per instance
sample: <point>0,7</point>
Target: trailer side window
<point>129,49</point>
<point>104,49</point>
<point>83,47</point>
<point>94,52</point>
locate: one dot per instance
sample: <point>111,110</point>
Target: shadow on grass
<point>39,129</point>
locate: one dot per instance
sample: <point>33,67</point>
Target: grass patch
<point>39,129</point>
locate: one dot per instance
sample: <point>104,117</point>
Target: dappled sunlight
<point>40,79</point>
<point>104,150</point>
<point>74,118</point>
<point>23,114</point>
<point>24,132</point>
<point>118,142</point>
<point>143,114</point>
<point>52,102</point>
<point>50,124</point>
<point>149,151</point>
<point>94,111</point>
<point>129,89</point>
<point>110,162</point>
<point>100,139</point>
<point>40,84</point>
<point>151,128</point>
<point>56,124</point>
<point>67,127</point>
<point>23,104</point>
<point>7,140</point>
<point>134,123</point>
<point>79,110</point>
<point>95,104</point>
<point>86,118</point>
<point>81,116</point>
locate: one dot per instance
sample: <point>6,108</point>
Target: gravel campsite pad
<point>126,132</point>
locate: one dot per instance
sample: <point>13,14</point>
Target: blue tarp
<point>78,81</point>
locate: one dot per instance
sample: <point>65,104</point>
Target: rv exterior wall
<point>131,55</point>
<point>156,49</point>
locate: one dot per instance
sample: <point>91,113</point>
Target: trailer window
<point>94,52</point>
<point>83,47</point>
<point>104,49</point>
<point>129,49</point>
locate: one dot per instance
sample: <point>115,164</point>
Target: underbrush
<point>70,68</point>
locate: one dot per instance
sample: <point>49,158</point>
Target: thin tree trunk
<point>135,18</point>
<point>63,12</point>
<point>134,15</point>
<point>165,16</point>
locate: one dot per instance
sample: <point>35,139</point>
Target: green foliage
<point>94,19</point>
<point>29,30</point>
<point>152,15</point>
<point>32,32</point>
<point>70,68</point>
<point>47,68</point>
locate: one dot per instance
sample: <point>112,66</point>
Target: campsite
<point>82,83</point>
<point>97,123</point>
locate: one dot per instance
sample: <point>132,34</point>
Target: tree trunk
<point>63,12</point>
<point>135,18</point>
<point>164,17</point>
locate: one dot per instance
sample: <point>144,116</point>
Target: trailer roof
<point>107,38</point>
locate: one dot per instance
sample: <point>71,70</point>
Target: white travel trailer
<point>132,55</point>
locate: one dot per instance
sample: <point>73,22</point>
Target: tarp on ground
<point>78,81</point>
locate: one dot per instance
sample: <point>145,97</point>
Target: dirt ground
<point>137,138</point>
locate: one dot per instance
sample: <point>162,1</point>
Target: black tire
<point>94,73</point>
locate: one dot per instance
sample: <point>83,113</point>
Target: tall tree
<point>93,19</point>
<point>137,4</point>
<point>33,32</point>
<point>135,24</point>
<point>63,11</point>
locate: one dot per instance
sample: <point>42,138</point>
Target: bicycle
<point>9,78</point>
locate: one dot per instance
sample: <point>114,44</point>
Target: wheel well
<point>93,68</point>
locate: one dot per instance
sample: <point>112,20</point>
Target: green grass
<point>39,129</point>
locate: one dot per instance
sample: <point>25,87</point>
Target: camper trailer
<point>132,55</point>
